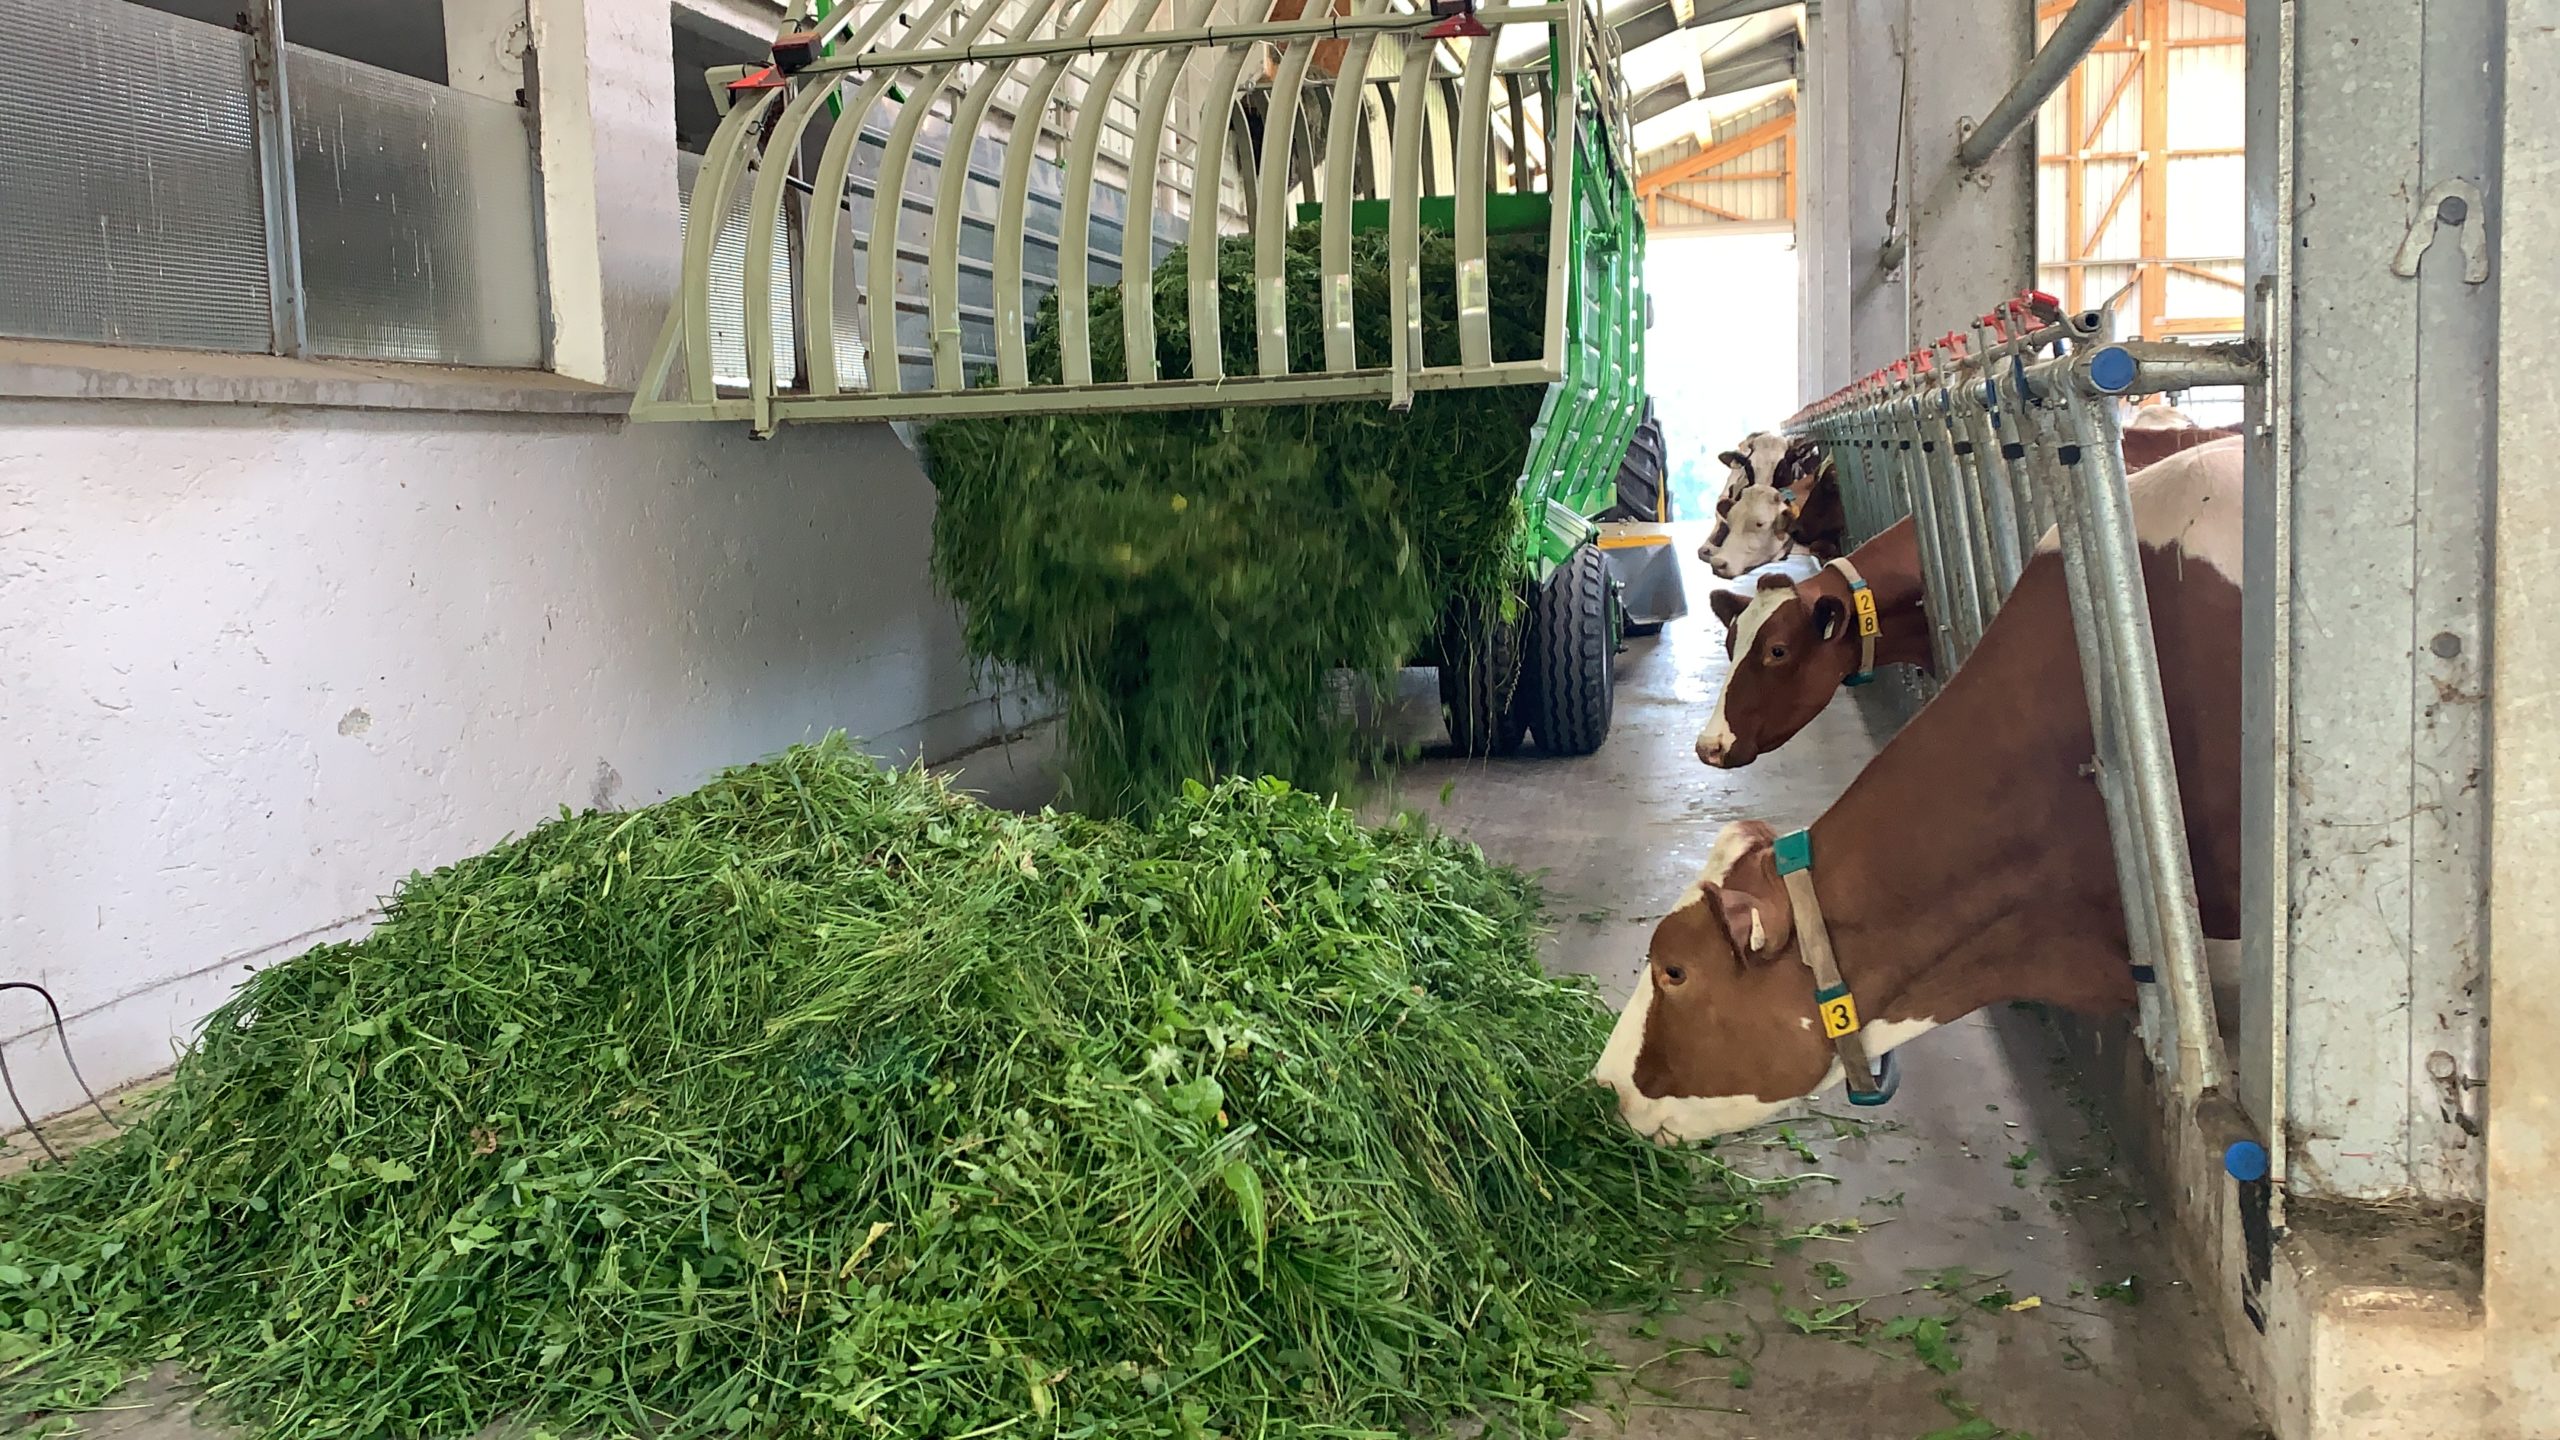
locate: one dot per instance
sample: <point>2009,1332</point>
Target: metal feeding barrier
<point>1380,117</point>
<point>1988,442</point>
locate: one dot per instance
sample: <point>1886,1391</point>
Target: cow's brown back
<point>2149,447</point>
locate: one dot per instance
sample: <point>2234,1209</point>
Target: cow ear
<point>1774,580</point>
<point>1733,457</point>
<point>1762,927</point>
<point>1728,605</point>
<point>1829,617</point>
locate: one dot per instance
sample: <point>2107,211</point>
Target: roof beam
<point>1765,64</point>
<point>1657,20</point>
<point>1691,167</point>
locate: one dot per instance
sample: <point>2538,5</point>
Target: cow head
<point>1753,462</point>
<point>1792,645</point>
<point>1720,1034</point>
<point>1758,528</point>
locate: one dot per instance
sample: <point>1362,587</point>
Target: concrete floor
<point>1980,1198</point>
<point>1982,1179</point>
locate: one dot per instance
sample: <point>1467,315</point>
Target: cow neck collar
<point>1832,1000</point>
<point>1862,606</point>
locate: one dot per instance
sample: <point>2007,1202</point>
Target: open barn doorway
<point>1722,353</point>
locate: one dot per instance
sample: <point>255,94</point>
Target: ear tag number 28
<point>1868,625</point>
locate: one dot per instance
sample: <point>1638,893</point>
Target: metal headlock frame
<point>841,62</point>
<point>1988,443</point>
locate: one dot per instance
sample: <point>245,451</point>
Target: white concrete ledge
<point>45,370</point>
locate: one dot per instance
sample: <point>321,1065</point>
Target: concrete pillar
<point>1972,232</point>
<point>1823,140</point>
<point>2521,1284</point>
<point>1884,169</point>
<point>2367,571</point>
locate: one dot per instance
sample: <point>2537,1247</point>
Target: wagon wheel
<point>1643,482</point>
<point>1480,684</point>
<point>1573,642</point>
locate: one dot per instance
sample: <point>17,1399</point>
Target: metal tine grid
<point>1996,444</point>
<point>1187,86</point>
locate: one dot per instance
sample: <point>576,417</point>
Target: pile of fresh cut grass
<point>824,1102</point>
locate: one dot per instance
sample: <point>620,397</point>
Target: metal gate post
<point>2098,667</point>
<point>2124,609</point>
<point>1948,638</point>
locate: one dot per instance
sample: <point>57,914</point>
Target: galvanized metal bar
<point>1272,220</point>
<point>1949,640</point>
<point>2153,774</point>
<point>1962,542</point>
<point>2053,63</point>
<point>1208,180</point>
<point>1012,201</point>
<point>2099,665</point>
<point>272,101</point>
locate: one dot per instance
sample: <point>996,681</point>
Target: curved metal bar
<point>834,173</point>
<point>691,314</point>
<point>1271,231</point>
<point>942,258</point>
<point>1475,144</point>
<point>1404,225</point>
<point>1346,125</point>
<point>1012,361</point>
<point>888,203</point>
<point>1075,224</point>
<point>1208,186</point>
<point>1138,236</point>
<point>764,228</point>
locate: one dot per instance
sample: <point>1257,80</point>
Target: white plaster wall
<point>258,663</point>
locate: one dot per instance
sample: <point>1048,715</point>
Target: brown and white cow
<point>1795,644</point>
<point>1773,508</point>
<point>1968,864</point>
<point>1803,653</point>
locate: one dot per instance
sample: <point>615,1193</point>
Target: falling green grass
<point>822,1102</point>
<point>1189,584</point>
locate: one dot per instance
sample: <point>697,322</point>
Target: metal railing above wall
<point>1988,442</point>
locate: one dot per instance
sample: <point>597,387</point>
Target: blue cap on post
<point>2245,1161</point>
<point>2113,369</point>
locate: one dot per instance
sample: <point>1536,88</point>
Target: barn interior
<point>389,464</point>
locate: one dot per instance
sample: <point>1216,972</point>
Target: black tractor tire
<point>1644,486</point>
<point>1480,682</point>
<point>1573,644</point>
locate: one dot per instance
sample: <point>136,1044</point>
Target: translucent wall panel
<point>129,209</point>
<point>419,240</point>
<point>728,284</point>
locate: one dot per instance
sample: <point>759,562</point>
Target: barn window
<point>158,195</point>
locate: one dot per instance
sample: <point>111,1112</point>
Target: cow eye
<point>1674,974</point>
<point>1777,652</point>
